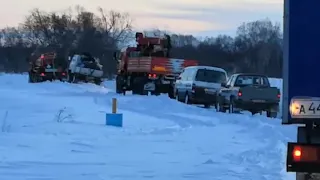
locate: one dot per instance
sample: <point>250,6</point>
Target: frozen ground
<point>56,131</point>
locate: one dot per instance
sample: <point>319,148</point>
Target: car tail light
<point>63,74</point>
<point>296,153</point>
<point>239,94</point>
<point>305,153</point>
<point>42,74</point>
<point>279,95</point>
<point>152,75</point>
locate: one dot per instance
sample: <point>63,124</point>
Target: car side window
<point>185,75</point>
<point>181,75</point>
<point>190,77</point>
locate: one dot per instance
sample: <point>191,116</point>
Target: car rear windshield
<point>252,80</point>
<point>210,76</point>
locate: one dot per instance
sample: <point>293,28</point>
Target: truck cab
<point>146,47</point>
<point>301,90</point>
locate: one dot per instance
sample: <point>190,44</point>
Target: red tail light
<point>42,74</point>
<point>305,154</point>
<point>279,95</point>
<point>239,94</point>
<point>297,153</point>
<point>303,157</point>
<point>63,74</point>
<point>152,75</point>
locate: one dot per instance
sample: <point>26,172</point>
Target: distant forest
<point>256,48</point>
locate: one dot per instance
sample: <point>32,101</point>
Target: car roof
<point>206,67</point>
<point>249,74</point>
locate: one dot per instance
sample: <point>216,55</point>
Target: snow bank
<point>56,131</point>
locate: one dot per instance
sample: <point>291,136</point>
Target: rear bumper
<point>52,76</point>
<point>258,106</point>
<point>203,98</point>
<point>88,72</point>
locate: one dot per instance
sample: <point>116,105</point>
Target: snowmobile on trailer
<point>85,68</point>
<point>148,67</point>
<point>47,67</point>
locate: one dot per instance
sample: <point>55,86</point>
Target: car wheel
<point>231,105</point>
<point>186,99</point>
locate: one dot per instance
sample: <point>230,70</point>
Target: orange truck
<point>148,67</point>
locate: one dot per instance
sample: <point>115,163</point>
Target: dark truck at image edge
<point>301,87</point>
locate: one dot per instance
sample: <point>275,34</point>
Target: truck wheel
<point>231,105</point>
<point>71,77</point>
<point>138,86</point>
<point>135,86</point>
<point>30,79</point>
<point>271,114</point>
<point>119,89</point>
<point>155,93</point>
<point>171,93</point>
<point>34,78</point>
<point>97,81</point>
<point>178,98</point>
<point>218,106</point>
<point>254,112</point>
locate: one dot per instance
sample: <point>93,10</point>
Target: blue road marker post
<point>114,118</point>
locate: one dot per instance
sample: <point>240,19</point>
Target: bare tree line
<point>256,48</point>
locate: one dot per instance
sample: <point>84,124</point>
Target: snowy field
<point>56,131</point>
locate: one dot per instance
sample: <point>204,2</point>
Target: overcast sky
<point>199,17</point>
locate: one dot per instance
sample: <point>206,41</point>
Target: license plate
<point>305,108</point>
<point>210,91</point>
<point>149,87</point>
<point>165,82</point>
<point>258,100</point>
<point>51,70</point>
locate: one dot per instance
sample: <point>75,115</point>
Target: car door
<point>182,83</point>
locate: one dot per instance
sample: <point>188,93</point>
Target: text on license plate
<point>305,108</point>
<point>258,100</point>
<point>51,70</point>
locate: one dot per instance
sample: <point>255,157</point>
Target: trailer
<point>301,87</point>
